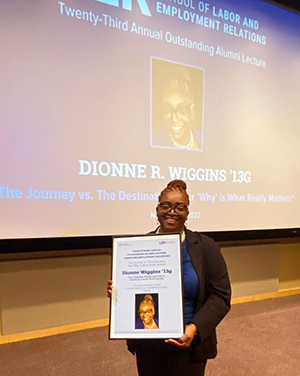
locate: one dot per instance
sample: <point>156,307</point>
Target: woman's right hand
<point>109,288</point>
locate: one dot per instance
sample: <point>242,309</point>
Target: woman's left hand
<point>186,339</point>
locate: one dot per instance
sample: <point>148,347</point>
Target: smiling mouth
<point>177,128</point>
<point>171,220</point>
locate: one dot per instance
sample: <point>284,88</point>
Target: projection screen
<point>105,101</point>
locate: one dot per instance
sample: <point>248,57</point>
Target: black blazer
<point>214,295</point>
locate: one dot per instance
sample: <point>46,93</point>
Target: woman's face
<point>178,112</point>
<point>146,312</point>
<point>172,212</point>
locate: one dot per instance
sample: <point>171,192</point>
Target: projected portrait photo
<point>146,311</point>
<point>177,106</point>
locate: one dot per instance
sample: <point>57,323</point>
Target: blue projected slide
<point>105,101</point>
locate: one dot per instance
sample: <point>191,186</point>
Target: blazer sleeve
<point>215,303</point>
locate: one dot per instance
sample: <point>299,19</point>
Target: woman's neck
<point>150,326</point>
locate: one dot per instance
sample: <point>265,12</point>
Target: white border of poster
<point>143,268</point>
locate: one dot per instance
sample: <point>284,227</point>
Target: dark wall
<point>294,4</point>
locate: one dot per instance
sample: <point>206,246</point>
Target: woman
<point>146,312</point>
<point>206,290</point>
<point>181,124</point>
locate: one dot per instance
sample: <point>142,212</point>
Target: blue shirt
<point>190,285</point>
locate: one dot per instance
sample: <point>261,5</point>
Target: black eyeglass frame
<point>178,207</point>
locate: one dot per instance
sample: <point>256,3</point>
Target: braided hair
<point>178,185</point>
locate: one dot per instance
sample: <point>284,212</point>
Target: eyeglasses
<point>183,110</point>
<point>179,207</point>
<point>147,312</point>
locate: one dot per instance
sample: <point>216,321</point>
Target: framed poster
<point>147,297</point>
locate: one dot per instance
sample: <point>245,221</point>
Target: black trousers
<point>167,360</point>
